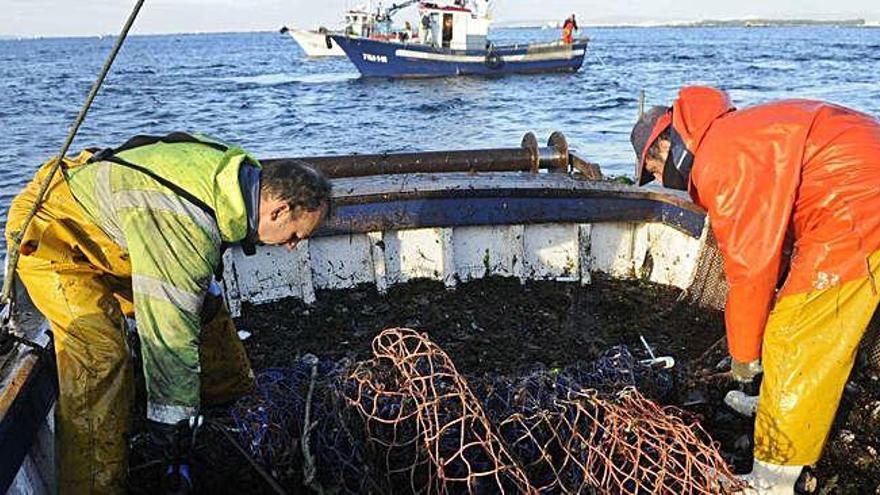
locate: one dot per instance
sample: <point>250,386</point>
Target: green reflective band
<point>158,201</point>
<point>106,214</point>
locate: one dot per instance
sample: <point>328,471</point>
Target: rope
<point>15,249</point>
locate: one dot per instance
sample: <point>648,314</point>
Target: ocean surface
<point>258,90</point>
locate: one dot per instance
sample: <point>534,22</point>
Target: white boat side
<point>316,44</point>
<point>387,230</point>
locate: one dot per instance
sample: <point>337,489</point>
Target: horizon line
<point>513,24</point>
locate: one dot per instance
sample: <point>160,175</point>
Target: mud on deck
<point>500,325</point>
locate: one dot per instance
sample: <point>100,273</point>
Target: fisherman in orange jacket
<point>568,29</point>
<point>795,176</point>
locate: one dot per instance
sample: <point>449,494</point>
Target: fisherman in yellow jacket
<point>138,231</point>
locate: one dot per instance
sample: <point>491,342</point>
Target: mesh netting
<point>708,287</point>
<point>406,421</point>
<point>273,425</point>
<point>870,346</point>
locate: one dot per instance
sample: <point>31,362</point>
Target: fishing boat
<point>359,22</point>
<point>315,43</point>
<point>453,41</point>
<point>529,212</point>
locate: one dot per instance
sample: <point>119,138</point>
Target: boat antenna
<point>641,103</point>
<point>7,298</point>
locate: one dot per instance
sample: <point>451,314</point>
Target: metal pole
<point>268,478</point>
<point>528,157</point>
<point>15,248</point>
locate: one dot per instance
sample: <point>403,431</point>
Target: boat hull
<point>375,58</point>
<point>388,230</point>
<point>316,44</point>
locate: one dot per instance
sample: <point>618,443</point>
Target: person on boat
<point>793,176</point>
<point>568,29</point>
<point>138,231</point>
<point>427,36</point>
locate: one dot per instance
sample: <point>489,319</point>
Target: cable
<point>268,478</point>
<point>15,249</point>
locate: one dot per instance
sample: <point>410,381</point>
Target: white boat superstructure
<point>316,43</point>
<point>360,22</point>
<point>463,25</point>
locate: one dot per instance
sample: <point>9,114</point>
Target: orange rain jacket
<point>800,171</point>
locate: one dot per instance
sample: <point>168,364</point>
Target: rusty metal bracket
<point>588,170</point>
<point>558,162</point>
<point>530,143</point>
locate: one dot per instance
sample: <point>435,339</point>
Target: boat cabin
<point>461,26</point>
<point>357,23</point>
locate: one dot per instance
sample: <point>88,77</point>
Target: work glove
<point>212,303</point>
<point>741,402</point>
<point>745,372</point>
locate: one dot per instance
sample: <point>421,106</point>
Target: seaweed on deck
<point>499,332</point>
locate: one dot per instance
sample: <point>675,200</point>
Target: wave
<point>282,79</point>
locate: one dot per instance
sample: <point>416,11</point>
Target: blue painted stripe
<point>464,211</point>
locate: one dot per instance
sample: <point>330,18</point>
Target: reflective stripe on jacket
<point>801,169</point>
<point>173,246</point>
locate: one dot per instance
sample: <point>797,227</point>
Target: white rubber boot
<point>746,405</point>
<point>771,479</point>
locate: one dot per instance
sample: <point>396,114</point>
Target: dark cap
<point>643,135</point>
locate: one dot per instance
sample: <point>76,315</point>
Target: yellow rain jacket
<point>138,232</point>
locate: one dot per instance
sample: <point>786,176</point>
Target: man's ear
<point>278,211</point>
<point>665,145</point>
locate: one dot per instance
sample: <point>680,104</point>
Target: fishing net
<point>870,347</point>
<point>406,421</point>
<point>291,424</point>
<point>625,445</point>
<point>708,287</point>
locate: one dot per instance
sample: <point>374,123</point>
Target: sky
<point>92,17</point>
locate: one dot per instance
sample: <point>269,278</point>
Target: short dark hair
<point>299,184</point>
<point>654,150</point>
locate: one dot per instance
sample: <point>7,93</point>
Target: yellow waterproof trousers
<point>78,279</point>
<point>810,344</point>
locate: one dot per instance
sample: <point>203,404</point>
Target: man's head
<point>651,142</point>
<point>294,199</point>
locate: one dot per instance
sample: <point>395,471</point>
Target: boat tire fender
<point>494,61</point>
<point>329,42</point>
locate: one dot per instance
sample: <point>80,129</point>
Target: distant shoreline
<point>757,22</point>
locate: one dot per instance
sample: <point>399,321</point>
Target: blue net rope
<point>271,421</point>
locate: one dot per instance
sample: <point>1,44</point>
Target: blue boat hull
<point>376,58</point>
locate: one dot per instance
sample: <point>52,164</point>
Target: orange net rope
<point>424,431</point>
